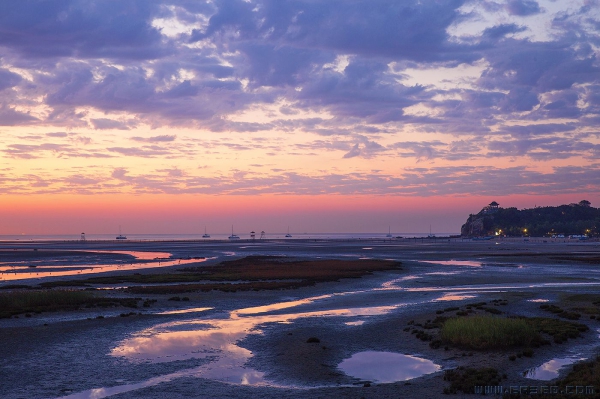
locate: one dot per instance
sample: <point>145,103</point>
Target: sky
<point>170,116</point>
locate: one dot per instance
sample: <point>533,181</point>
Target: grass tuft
<point>466,379</point>
<point>487,332</point>
<point>35,301</point>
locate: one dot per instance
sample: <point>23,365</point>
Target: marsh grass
<point>583,374</point>
<point>560,330</point>
<point>256,272</point>
<point>36,301</point>
<point>466,379</point>
<point>487,332</point>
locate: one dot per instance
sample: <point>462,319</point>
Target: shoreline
<point>403,239</point>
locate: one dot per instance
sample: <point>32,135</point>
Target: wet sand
<point>259,338</point>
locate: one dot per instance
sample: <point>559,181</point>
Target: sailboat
<point>430,235</point>
<point>121,236</point>
<point>288,235</point>
<point>389,234</point>
<point>233,236</point>
<point>205,235</point>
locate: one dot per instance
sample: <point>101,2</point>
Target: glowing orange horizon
<point>188,214</point>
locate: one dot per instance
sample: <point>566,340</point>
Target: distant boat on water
<point>389,234</point>
<point>288,235</point>
<point>430,234</point>
<point>205,235</point>
<point>121,236</point>
<point>233,236</point>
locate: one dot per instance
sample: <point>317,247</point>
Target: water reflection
<point>218,336</point>
<point>183,311</point>
<point>215,339</point>
<point>355,323</point>
<point>477,288</point>
<point>386,366</point>
<point>12,273</point>
<point>245,378</point>
<point>453,262</point>
<point>455,297</point>
<point>549,370</point>
<point>392,284</point>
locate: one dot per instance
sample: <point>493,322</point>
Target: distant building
<point>492,207</point>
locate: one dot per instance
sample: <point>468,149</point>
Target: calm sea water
<point>245,236</point>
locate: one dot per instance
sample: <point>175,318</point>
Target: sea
<point>220,237</point>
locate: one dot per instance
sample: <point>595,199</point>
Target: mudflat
<point>291,340</point>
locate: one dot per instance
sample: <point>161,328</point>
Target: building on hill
<point>492,207</point>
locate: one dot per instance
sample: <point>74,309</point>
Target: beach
<point>256,343</point>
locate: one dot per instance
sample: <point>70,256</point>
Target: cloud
<point>499,31</point>
<point>119,173</point>
<point>104,123</point>
<point>523,7</point>
<point>424,182</point>
<point>10,117</point>
<point>53,150</point>
<point>77,28</point>
<point>31,151</point>
<point>539,129</point>
<point>149,151</point>
<point>430,150</point>
<point>411,29</point>
<point>8,79</point>
<point>410,80</point>
<point>57,134</point>
<point>156,139</point>
<point>354,152</point>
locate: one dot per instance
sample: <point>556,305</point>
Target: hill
<point>573,219</point>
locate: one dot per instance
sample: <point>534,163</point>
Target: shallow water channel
<point>215,338</point>
<point>550,369</point>
<point>12,271</point>
<point>387,366</point>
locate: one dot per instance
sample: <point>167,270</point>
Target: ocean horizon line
<point>215,236</point>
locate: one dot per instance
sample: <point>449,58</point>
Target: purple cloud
<point>104,123</point>
<point>156,139</point>
<point>523,7</point>
<point>356,79</point>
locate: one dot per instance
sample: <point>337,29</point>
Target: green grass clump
<point>487,332</point>
<point>560,330</point>
<point>466,379</point>
<point>36,301</point>
<point>583,374</point>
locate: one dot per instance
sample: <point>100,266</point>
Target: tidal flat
<point>298,318</point>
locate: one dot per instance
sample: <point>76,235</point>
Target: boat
<point>121,236</point>
<point>288,235</point>
<point>205,235</point>
<point>233,236</point>
<point>389,234</point>
<point>430,234</point>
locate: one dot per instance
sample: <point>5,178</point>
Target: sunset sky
<point>324,116</point>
